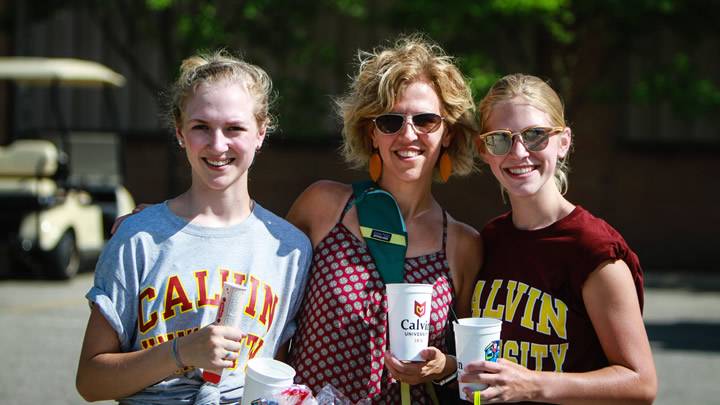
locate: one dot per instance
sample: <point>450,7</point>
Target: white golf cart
<point>60,189</point>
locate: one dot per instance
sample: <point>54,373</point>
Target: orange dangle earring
<point>445,166</point>
<point>375,166</point>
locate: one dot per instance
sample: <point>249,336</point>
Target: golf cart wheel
<point>64,260</point>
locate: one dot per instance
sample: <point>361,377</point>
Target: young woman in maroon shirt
<point>565,283</point>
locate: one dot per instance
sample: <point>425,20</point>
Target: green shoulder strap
<point>383,228</point>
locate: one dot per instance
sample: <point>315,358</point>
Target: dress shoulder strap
<point>444,235</point>
<point>349,204</point>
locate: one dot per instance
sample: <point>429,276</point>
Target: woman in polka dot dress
<point>408,105</point>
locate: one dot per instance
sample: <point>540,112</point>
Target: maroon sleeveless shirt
<point>533,281</point>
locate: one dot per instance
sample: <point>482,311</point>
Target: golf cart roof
<point>35,70</point>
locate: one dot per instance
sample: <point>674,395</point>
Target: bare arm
<point>106,373</point>
<point>612,304</point>
<point>465,255</point>
<point>315,212</point>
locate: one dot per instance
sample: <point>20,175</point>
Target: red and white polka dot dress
<point>342,325</point>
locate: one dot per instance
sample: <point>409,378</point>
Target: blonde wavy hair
<point>382,75</point>
<point>539,95</point>
<point>215,67</point>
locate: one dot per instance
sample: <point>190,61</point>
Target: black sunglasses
<point>535,139</point>
<point>422,123</point>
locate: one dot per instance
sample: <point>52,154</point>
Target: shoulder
<point>464,235</point>
<point>591,230</point>
<point>154,219</point>
<point>281,229</point>
<point>319,206</point>
<point>137,240</point>
<point>325,191</point>
<point>602,247</point>
<point>498,223</point>
<point>464,244</point>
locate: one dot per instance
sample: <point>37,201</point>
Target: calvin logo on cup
<point>408,319</point>
<point>420,308</point>
<point>416,327</point>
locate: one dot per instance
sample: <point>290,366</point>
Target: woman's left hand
<point>506,381</point>
<point>417,372</point>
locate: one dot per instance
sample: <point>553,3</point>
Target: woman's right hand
<point>212,347</point>
<point>119,220</point>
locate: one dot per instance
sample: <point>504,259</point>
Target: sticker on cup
<point>263,377</point>
<point>476,339</point>
<point>409,307</point>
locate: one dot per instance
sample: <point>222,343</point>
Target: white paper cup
<point>409,307</point>
<point>476,339</point>
<point>264,376</point>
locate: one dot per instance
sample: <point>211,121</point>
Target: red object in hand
<point>211,377</point>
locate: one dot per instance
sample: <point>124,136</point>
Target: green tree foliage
<point>643,51</point>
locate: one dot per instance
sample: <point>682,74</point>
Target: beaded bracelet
<point>176,355</point>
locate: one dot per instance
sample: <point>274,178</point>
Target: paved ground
<point>43,324</point>
<point>682,316</point>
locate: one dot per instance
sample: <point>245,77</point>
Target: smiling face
<point>220,135</point>
<point>521,172</point>
<point>409,156</point>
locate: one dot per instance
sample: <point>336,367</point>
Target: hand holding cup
<point>431,368</point>
<point>476,339</point>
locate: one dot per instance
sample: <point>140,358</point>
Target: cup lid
<point>480,325</point>
<point>406,288</point>
<point>266,368</point>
